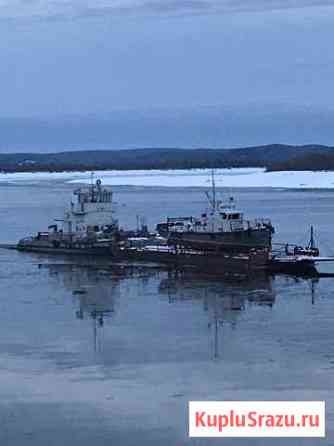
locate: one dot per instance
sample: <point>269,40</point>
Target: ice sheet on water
<point>246,177</point>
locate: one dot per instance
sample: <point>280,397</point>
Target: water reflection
<point>219,306</point>
<point>96,293</point>
<point>223,300</point>
<point>231,293</point>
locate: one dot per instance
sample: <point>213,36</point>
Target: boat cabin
<point>222,218</point>
<point>229,219</point>
<point>91,211</point>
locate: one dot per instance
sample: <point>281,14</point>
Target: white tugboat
<point>88,224</point>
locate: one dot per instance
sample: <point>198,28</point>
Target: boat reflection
<point>98,292</point>
<point>96,289</point>
<point>233,292</point>
<point>223,300</point>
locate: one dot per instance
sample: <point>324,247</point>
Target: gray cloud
<point>62,9</point>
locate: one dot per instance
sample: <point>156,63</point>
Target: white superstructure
<point>221,218</point>
<point>91,211</point>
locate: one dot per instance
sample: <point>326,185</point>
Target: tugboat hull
<point>49,247</point>
<point>241,241</point>
<point>96,251</point>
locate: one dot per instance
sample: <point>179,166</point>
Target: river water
<point>92,353</point>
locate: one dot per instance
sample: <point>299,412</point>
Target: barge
<point>205,261</point>
<point>90,228</point>
<point>221,242</point>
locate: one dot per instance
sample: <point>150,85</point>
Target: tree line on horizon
<point>272,157</point>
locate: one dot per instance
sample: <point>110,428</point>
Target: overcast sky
<point>69,57</point>
<point>65,9</point>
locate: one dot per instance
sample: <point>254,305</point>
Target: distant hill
<point>273,157</point>
<point>322,160</point>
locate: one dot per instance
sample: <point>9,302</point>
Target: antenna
<point>312,244</point>
<point>213,189</point>
<point>209,198</point>
<point>92,174</point>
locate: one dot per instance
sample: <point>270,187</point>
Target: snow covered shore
<point>248,177</point>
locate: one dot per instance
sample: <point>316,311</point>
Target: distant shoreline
<point>274,157</point>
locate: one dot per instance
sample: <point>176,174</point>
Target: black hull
<point>208,263</point>
<point>305,268</point>
<point>205,262</point>
<point>105,252</point>
<point>237,241</point>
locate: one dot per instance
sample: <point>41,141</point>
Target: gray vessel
<point>221,227</point>
<point>90,228</point>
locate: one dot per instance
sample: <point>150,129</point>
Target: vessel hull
<point>209,263</point>
<point>206,262</point>
<point>241,241</point>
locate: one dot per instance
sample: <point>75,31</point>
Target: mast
<point>92,174</point>
<point>213,189</point>
<point>312,243</point>
<point>212,197</point>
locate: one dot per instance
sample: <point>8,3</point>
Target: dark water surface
<point>95,354</point>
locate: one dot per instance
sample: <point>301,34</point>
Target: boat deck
<point>217,263</point>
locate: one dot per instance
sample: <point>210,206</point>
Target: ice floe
<point>246,177</point>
